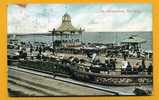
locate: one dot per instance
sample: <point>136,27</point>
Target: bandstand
<point>134,42</point>
<point>68,35</point>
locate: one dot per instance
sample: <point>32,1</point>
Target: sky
<point>41,18</point>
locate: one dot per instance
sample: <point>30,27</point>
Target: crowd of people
<point>28,49</point>
<point>138,67</point>
<point>108,65</point>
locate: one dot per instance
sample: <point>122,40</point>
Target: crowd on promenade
<point>109,64</point>
<point>126,67</point>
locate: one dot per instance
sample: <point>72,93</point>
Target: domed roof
<point>66,25</point>
<point>134,39</point>
<point>66,17</point>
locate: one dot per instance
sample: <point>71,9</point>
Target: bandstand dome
<point>66,25</point>
<point>134,39</point>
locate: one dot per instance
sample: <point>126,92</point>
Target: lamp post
<point>80,34</point>
<point>53,47</point>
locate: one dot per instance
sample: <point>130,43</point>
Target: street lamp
<point>53,34</point>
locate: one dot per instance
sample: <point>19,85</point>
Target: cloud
<point>39,18</point>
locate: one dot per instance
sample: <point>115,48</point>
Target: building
<point>134,42</point>
<point>69,35</point>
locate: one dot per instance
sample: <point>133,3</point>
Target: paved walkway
<point>45,85</point>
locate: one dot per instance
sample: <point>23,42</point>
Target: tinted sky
<point>92,17</point>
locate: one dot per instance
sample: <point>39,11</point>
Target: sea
<point>91,37</point>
